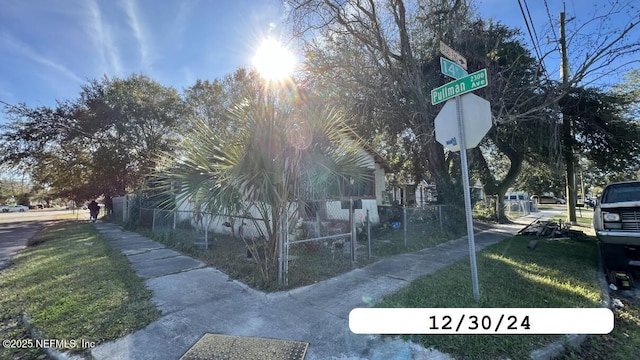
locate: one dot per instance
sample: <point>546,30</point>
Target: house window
<point>365,189</point>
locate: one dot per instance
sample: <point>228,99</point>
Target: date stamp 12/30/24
<point>481,321</point>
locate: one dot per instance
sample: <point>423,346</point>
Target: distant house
<point>423,193</point>
<point>419,194</point>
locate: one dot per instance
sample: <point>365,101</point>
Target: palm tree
<point>273,152</point>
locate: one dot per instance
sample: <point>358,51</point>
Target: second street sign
<point>452,69</point>
<point>461,86</point>
<point>453,55</point>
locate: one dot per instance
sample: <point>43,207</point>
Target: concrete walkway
<point>195,300</point>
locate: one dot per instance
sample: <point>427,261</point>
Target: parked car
<point>14,208</point>
<point>545,199</point>
<point>515,197</point>
<point>616,220</point>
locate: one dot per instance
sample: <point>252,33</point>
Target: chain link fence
<point>409,229</point>
<point>120,210</point>
<point>323,239</point>
<point>518,208</point>
<point>321,243</point>
<point>199,229</point>
<point>326,241</point>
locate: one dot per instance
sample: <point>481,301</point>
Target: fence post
<point>206,234</point>
<point>175,215</point>
<point>352,222</point>
<point>440,216</point>
<point>286,250</point>
<point>153,220</point>
<point>125,209</point>
<point>404,223</point>
<point>280,251</point>
<point>280,237</point>
<point>369,234</point>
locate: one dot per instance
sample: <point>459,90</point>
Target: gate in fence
<point>322,244</point>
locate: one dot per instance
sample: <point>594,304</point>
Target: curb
<point>558,348</point>
<point>51,352</point>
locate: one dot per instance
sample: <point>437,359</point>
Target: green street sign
<point>452,69</point>
<point>461,86</point>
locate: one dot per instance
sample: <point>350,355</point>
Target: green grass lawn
<point>73,286</point>
<point>556,274</point>
<point>420,235</point>
<point>313,261</point>
<point>584,222</point>
<point>622,343</point>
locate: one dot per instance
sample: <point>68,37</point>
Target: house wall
<point>256,228</point>
<point>220,224</point>
<point>335,211</point>
<point>424,193</point>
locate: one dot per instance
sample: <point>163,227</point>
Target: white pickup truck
<point>616,220</point>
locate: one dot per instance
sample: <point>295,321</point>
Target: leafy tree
<point>519,133</point>
<point>104,142</point>
<point>210,100</point>
<point>605,134</point>
<point>591,49</point>
<point>280,151</point>
<point>382,58</point>
<point>629,88</point>
<point>381,61</point>
<point>541,178</point>
<point>14,184</point>
<point>375,57</point>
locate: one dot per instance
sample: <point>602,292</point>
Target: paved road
<point>17,228</point>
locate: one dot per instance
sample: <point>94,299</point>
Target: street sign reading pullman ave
<point>453,55</point>
<point>461,86</point>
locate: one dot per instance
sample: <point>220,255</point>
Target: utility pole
<point>567,138</point>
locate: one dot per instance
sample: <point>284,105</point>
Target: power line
<point>553,29</point>
<point>532,33</point>
<point>533,26</point>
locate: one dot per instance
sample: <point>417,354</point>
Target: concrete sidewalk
<point>195,300</point>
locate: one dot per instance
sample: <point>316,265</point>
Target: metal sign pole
<point>467,200</point>
<point>280,240</point>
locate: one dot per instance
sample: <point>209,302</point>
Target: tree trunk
<point>491,185</point>
<point>437,167</point>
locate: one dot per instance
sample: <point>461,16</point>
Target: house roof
<point>368,148</point>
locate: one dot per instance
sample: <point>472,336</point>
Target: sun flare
<point>274,61</point>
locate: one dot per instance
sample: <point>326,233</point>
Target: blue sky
<point>49,48</point>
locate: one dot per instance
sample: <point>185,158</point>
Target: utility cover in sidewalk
<point>216,346</point>
<point>476,119</point>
